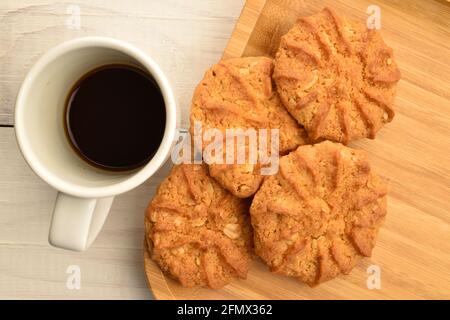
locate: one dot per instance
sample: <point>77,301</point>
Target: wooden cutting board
<point>412,153</point>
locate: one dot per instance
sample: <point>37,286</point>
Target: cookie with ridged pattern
<point>197,232</point>
<point>320,214</point>
<point>237,93</point>
<point>336,77</point>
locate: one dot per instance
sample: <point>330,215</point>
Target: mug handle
<point>76,221</point>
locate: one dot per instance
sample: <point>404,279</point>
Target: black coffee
<point>115,117</point>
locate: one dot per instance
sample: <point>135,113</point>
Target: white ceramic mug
<point>85,194</point>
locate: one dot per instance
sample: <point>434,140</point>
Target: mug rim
<point>136,178</point>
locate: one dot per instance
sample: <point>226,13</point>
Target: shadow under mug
<point>85,194</point>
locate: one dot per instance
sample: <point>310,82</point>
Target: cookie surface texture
<point>196,231</point>
<point>336,77</point>
<point>320,214</point>
<point>237,94</point>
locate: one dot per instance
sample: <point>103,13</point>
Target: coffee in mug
<point>114,117</point>
<point>111,103</point>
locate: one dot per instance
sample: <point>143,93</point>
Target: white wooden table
<point>184,37</point>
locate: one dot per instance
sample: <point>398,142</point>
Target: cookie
<point>320,214</point>
<point>196,231</point>
<point>336,77</point>
<point>237,94</point>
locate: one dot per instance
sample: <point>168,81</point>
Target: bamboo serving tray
<point>412,153</point>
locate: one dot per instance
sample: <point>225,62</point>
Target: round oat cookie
<point>336,77</point>
<point>198,232</point>
<point>319,214</point>
<point>237,94</point>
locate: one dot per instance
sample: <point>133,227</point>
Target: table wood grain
<point>184,37</point>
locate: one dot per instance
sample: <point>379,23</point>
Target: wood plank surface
<point>184,37</point>
<point>412,153</point>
